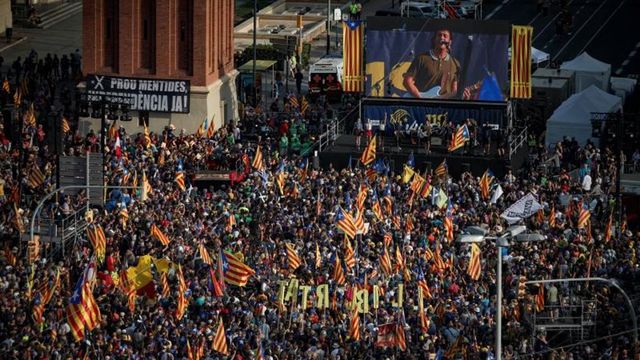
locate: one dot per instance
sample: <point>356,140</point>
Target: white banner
<point>521,209</point>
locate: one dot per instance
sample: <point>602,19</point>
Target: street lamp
<point>476,234</point>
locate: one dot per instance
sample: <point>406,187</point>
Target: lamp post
<point>255,53</point>
<point>328,26</point>
<point>476,234</point>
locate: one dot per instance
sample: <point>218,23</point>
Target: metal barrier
<point>334,129</point>
<point>518,141</point>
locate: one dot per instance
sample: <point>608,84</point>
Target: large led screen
<point>436,59</point>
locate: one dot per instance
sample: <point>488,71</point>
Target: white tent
<point>589,71</point>
<point>537,56</point>
<point>622,87</point>
<point>573,117</point>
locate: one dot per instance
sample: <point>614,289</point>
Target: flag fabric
<point>146,186</point>
<point>338,272</point>
<point>459,138</point>
<point>98,241</point>
<point>349,254</point>
<point>440,266</point>
<point>164,279</point>
<point>211,129</point>
<point>17,97</point>
<point>318,256</point>
<point>5,86</point>
<point>46,295</point>
<point>231,222</point>
<point>113,130</point>
<point>608,230</point>
<point>387,238</point>
<point>345,222</point>
<point>183,302</point>
<point>65,125</point>
<point>552,218</point>
<point>385,262</point>
<point>159,235</point>
<point>540,299</point>
<point>401,341</point>
<point>204,255</point>
<point>83,313</point>
<point>257,159</point>
<point>407,174</point>
<point>215,288</point>
<point>235,271</point>
<point>146,137</point>
<point>354,325</point>
<point>448,223</point>
<point>293,257</point>
<point>474,268</point>
<point>520,84</point>
<point>36,177</point>
<point>353,56</point>
<point>124,216</point>
<point>293,101</point>
<point>280,181</point>
<point>180,180</point>
<point>422,284</point>
<point>220,340</point>
<point>485,183</point>
<point>304,105</point>
<point>369,153</point>
<point>30,116</point>
<point>189,351</point>
<point>584,216</point>
<point>33,249</point>
<point>10,256</point>
<point>377,210</point>
<point>359,222</point>
<point>442,170</point>
<point>497,193</point>
<point>202,128</point>
<point>362,196</point>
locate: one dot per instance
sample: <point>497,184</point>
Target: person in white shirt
<point>586,183</point>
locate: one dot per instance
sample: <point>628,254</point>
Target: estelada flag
<point>353,56</point>
<point>521,62</point>
<point>369,153</point>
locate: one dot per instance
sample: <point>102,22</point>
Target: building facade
<point>188,40</point>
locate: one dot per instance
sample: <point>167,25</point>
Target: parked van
<point>325,77</point>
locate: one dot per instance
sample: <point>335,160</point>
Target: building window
<point>185,36</point>
<point>148,34</point>
<point>110,29</point>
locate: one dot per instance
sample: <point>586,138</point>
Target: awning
<point>261,65</point>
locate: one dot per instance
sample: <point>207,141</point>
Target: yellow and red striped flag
<point>354,325</point>
<point>369,153</point>
<point>158,234</point>
<point>459,138</point>
<point>442,170</point>
<point>257,159</point>
<point>5,86</point>
<point>353,56</point>
<point>183,302</point>
<point>9,256</point>
<point>608,229</point>
<point>204,255</point>
<point>146,137</point>
<point>304,105</point>
<point>36,177</point>
<point>180,180</point>
<point>211,129</point>
<point>540,299</point>
<point>474,268</point>
<point>292,256</point>
<point>47,294</point>
<point>377,210</point>
<point>220,340</point>
<point>552,218</point>
<point>165,285</point>
<point>98,241</point>
<point>231,222</point>
<point>235,271</point>
<point>385,262</point>
<point>485,183</point>
<point>349,255</point>
<point>146,186</point>
<point>584,216</point>
<point>401,341</point>
<point>346,223</point>
<point>362,196</point>
<point>521,62</point>
<point>338,272</point>
<point>83,313</point>
<point>189,351</point>
<point>318,256</point>
<point>65,125</point>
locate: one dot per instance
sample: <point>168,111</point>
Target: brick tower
<point>169,40</point>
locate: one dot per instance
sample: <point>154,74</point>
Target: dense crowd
<point>301,212</point>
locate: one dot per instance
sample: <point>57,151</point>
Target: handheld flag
<point>369,153</point>
<point>459,138</point>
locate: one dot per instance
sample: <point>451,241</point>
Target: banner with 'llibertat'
<point>521,61</point>
<point>353,55</point>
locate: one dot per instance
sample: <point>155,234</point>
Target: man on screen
<point>435,74</point>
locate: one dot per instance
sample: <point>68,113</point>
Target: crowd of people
<point>286,208</point>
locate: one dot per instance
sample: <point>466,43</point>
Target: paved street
<point>63,38</point>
